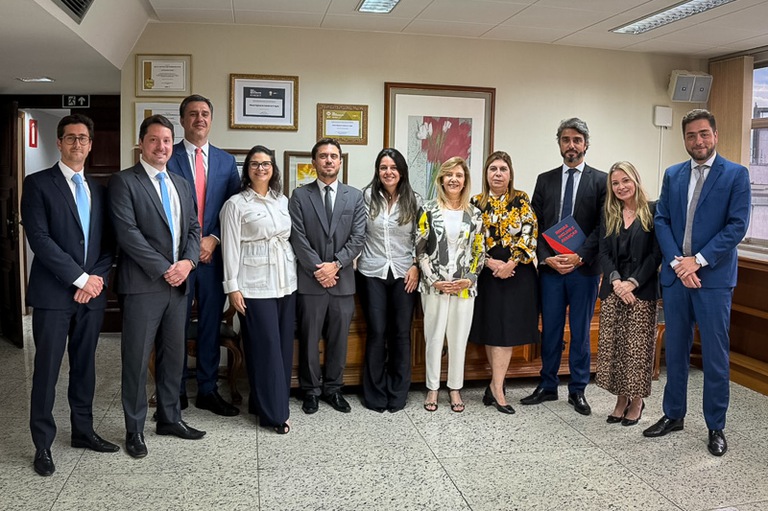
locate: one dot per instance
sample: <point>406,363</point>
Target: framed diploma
<point>261,102</point>
<point>346,123</point>
<point>163,75</point>
<point>299,170</point>
<point>169,110</point>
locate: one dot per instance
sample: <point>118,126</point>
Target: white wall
<point>46,153</point>
<point>536,87</point>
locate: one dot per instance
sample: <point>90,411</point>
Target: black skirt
<point>506,310</point>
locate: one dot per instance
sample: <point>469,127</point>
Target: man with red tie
<point>214,178</point>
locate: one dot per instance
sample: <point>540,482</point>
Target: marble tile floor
<point>544,457</point>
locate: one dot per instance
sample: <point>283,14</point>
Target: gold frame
<point>304,157</point>
<point>329,109</point>
<point>288,84</point>
<point>141,79</point>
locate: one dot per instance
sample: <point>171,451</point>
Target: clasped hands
<point>326,274</point>
<point>564,263</point>
<point>624,289</point>
<point>178,272</point>
<point>501,269</point>
<point>686,271</point>
<point>92,288</point>
<point>453,287</point>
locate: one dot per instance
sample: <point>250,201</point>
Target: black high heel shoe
<point>612,419</point>
<point>489,400</point>
<point>632,422</point>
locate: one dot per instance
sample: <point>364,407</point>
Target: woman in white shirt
<point>260,279</point>
<point>389,269</point>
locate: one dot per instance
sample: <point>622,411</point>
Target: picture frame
<point>346,123</point>
<point>264,102</point>
<point>166,108</point>
<point>431,123</point>
<point>239,155</point>
<point>299,171</point>
<point>163,75</point>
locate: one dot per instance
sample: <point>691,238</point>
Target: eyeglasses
<point>70,139</point>
<point>256,165</point>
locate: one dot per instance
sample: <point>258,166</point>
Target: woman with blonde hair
<point>450,251</point>
<point>630,258</point>
<point>507,304</point>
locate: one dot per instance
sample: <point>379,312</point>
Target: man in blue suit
<point>701,216</point>
<point>214,179</point>
<point>64,218</point>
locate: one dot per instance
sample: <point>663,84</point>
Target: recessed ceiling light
<point>670,15</point>
<point>35,79</point>
<point>377,6</point>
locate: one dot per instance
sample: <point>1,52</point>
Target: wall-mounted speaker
<point>689,87</point>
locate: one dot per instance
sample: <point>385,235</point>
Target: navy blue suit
<point>54,232</point>
<point>576,290</point>
<point>720,223</point>
<point>205,282</point>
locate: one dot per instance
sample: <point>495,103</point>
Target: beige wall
<point>536,86</point>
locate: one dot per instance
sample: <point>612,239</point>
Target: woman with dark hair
<point>507,303</point>
<point>260,279</point>
<point>630,258</point>
<point>389,268</point>
<point>450,250</point>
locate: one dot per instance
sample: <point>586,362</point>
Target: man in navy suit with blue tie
<point>701,217</point>
<point>65,220</point>
<point>214,179</point>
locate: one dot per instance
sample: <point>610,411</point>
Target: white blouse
<point>258,258</point>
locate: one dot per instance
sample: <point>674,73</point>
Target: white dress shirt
<point>152,172</point>
<point>68,174</point>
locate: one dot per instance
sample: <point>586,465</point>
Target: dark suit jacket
<point>315,242</point>
<point>644,266</point>
<point>52,225</point>
<point>143,235</point>
<point>223,182</point>
<point>719,225</point>
<point>587,209</point>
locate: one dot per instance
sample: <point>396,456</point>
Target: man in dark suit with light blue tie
<point>159,239</point>
<point>568,281</point>
<point>701,217</point>
<point>213,175</point>
<point>327,235</point>
<point>65,220</point>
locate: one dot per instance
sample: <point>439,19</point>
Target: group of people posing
<point>191,229</point>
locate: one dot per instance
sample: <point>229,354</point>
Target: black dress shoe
<point>179,429</point>
<point>579,402</point>
<point>93,442</point>
<point>44,463</point>
<point>663,426</point>
<point>632,422</point>
<point>134,445</point>
<point>215,403</point>
<point>310,404</point>
<point>717,444</point>
<point>489,400</point>
<point>183,401</point>
<point>395,408</point>
<point>539,396</point>
<point>337,401</point>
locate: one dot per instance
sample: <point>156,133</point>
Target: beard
<point>708,152</point>
<point>572,156</point>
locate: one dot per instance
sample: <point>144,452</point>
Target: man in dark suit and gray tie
<point>64,215</point>
<point>568,280</point>
<point>213,175</point>
<point>159,239</point>
<point>328,232</point>
<point>701,217</point>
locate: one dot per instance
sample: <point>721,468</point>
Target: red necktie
<point>200,186</point>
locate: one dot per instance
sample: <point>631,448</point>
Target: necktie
<point>328,203</point>
<point>83,207</point>
<point>698,172</point>
<point>568,195</point>
<point>166,200</point>
<point>200,185</point>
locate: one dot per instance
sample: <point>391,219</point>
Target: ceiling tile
<point>279,19</point>
<point>318,6</point>
<point>225,5</point>
<point>194,15</point>
<point>373,23</point>
<point>551,17</point>
<point>448,29</point>
<point>404,9</point>
<point>475,11</point>
<point>526,34</point>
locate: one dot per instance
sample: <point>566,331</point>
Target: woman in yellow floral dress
<point>507,304</point>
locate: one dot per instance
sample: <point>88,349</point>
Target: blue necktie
<point>568,195</point>
<point>166,200</point>
<point>83,208</point>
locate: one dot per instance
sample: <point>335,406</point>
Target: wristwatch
<point>338,264</point>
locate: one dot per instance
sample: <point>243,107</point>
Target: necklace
<point>630,212</point>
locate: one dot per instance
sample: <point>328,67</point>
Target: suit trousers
<point>710,308</point>
<point>387,370</point>
<point>446,317</point>
<point>51,329</point>
<point>152,320</point>
<point>204,284</point>
<point>268,328</point>
<point>328,316</point>
<point>574,293</point>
